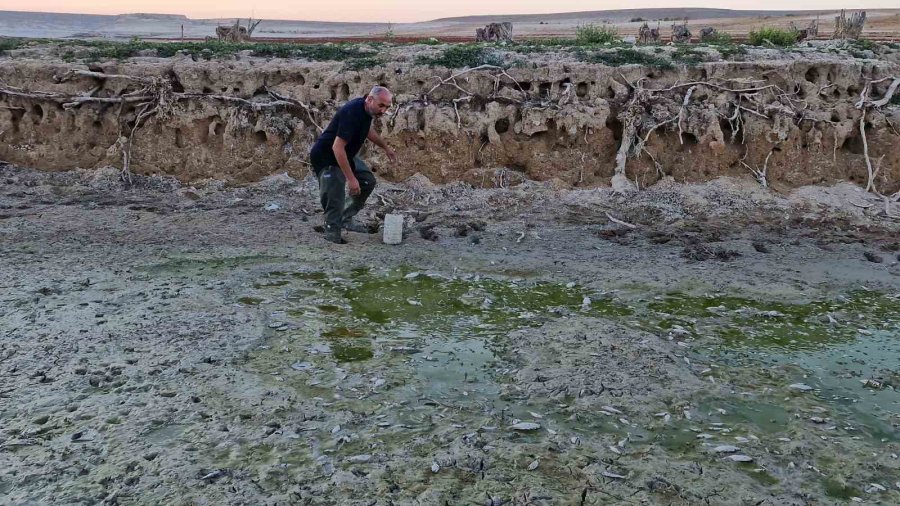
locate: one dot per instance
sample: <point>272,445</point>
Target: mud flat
<point>163,342</point>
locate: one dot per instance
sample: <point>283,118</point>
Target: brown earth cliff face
<point>558,121</point>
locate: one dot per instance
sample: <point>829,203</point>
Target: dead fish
<point>336,429</point>
<point>406,350</point>
<point>800,386</point>
<point>435,467</point>
<point>534,465</point>
<point>615,450</point>
<point>612,475</point>
<point>725,449</point>
<point>739,458</point>
<point>413,302</point>
<point>874,384</point>
<point>611,410</point>
<point>218,473</point>
<point>359,459</point>
<point>525,426</point>
<point>817,419</point>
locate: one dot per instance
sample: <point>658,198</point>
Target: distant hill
<point>152,17</point>
<point>622,15</point>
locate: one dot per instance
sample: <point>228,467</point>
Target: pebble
<point>725,449</point>
<point>534,465</point>
<point>739,458</point>
<point>360,459</point>
<point>801,386</point>
<point>435,467</point>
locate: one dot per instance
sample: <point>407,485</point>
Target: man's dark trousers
<point>339,208</point>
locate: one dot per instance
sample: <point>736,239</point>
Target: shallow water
<point>423,351</point>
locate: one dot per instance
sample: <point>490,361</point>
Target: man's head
<point>379,100</point>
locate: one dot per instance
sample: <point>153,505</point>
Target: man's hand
<point>391,154</point>
<point>353,186</point>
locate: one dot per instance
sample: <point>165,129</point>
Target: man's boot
<point>334,235</point>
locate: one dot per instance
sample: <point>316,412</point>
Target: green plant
<point>718,38</point>
<point>12,43</point>
<point>594,34</point>
<point>773,36</point>
<point>688,55</point>
<point>462,55</point>
<point>362,63</point>
<point>863,44</point>
<point>728,51</point>
<point>619,57</point>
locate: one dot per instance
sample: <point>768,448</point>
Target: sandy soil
<point>161,344</point>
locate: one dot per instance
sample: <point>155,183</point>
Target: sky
<point>397,11</point>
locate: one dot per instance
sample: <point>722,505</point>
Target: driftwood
<point>849,28</point>
<point>647,35</point>
<point>681,33</point>
<point>807,33</point>
<point>494,32</point>
<point>237,32</point>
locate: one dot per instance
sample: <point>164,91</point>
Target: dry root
<point>155,98</point>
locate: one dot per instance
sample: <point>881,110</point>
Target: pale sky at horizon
<point>397,11</point>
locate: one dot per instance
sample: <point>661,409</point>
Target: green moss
<point>839,489</point>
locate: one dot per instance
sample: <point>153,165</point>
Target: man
<point>335,163</point>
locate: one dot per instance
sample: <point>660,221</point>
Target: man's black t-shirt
<point>350,123</point>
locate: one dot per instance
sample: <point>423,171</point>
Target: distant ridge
<point>619,15</point>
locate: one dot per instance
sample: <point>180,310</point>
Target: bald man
<point>336,165</point>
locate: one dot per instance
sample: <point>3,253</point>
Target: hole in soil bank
<point>260,137</point>
<point>812,75</point>
<point>501,126</point>
<point>581,90</point>
<point>38,112</point>
<point>544,90</point>
<point>615,126</point>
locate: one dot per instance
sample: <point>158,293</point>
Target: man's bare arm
<point>378,141</point>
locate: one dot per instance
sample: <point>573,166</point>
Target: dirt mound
<point>787,122</point>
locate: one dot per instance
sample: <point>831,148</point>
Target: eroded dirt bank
<point>162,343</point>
<point>793,116</point>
